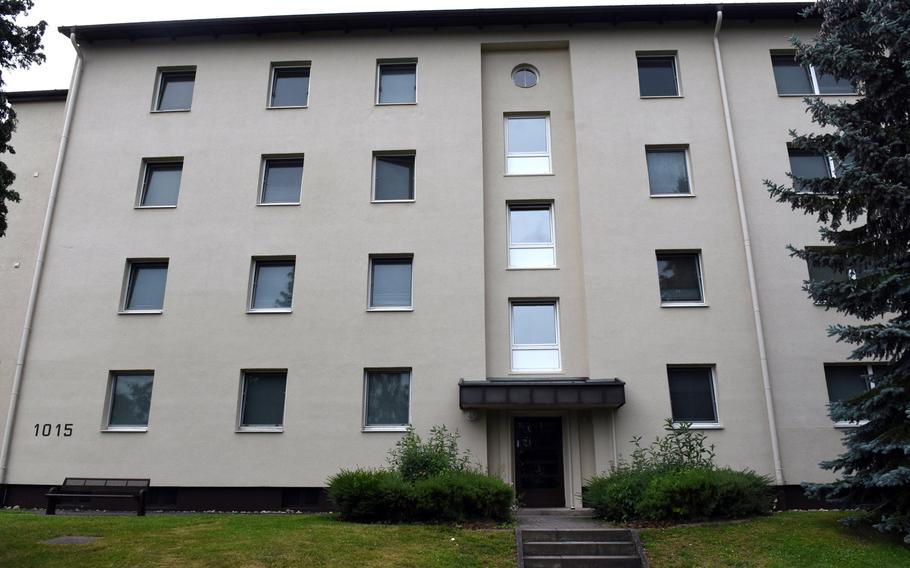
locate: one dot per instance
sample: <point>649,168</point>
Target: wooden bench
<point>99,488</point>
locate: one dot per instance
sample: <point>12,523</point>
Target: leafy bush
<point>371,495</point>
<point>680,448</point>
<point>416,459</point>
<point>616,496</point>
<point>460,496</point>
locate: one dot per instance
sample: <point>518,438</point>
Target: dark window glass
<point>161,185</point>
<point>131,395</point>
<point>657,76</point>
<point>388,395</point>
<point>263,399</point>
<point>830,85</point>
<point>791,77</point>
<point>290,86</point>
<point>390,283</point>
<point>394,178</point>
<point>692,394</point>
<point>667,172</point>
<point>846,381</point>
<point>397,83</point>
<point>680,277</point>
<point>819,273</point>
<point>807,165</point>
<point>175,91</point>
<point>273,284</point>
<point>281,181</point>
<point>146,286</point>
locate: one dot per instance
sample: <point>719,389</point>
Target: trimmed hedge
<point>385,496</point>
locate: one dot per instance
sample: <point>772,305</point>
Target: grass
<point>247,541</point>
<point>793,539</point>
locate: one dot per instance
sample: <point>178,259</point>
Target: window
<point>679,274</point>
<point>657,76</point>
<point>273,285</point>
<point>397,83</point>
<point>807,165</point>
<point>531,236</point>
<point>129,398</point>
<point>281,181</point>
<point>175,89</point>
<point>145,284</point>
<point>160,183</point>
<point>290,86</point>
<point>795,79</point>
<point>393,177</point>
<point>527,145</point>
<point>668,171</point>
<point>849,381</point>
<point>524,76</point>
<point>390,283</point>
<point>692,397</point>
<point>387,399</point>
<point>262,400</point>
<point>819,273</point>
<point>535,336</point>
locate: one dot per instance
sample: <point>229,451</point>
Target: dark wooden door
<point>538,461</point>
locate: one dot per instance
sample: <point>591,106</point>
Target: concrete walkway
<point>558,519</point>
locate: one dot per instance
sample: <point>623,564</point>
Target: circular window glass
<point>524,76</point>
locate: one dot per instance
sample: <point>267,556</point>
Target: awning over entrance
<point>541,393</point>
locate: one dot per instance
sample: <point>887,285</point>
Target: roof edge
<point>37,96</point>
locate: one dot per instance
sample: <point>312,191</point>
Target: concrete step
<point>576,535</point>
<point>526,512</point>
<point>576,548</point>
<point>582,562</point>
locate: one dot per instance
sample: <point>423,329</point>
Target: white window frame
<point>678,76</point>
<point>518,205</point>
<point>718,423</point>
<point>869,373</point>
<point>127,281</point>
<point>813,79</point>
<point>288,65</point>
<point>388,256</point>
<point>548,154</point>
<point>263,170</point>
<point>159,75</point>
<point>144,178</point>
<point>403,61</point>
<point>254,264</point>
<point>671,147</point>
<point>700,266</point>
<point>366,384</point>
<point>533,346</point>
<point>112,377</point>
<point>241,403</point>
<point>383,154</point>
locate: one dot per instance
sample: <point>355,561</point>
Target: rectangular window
<point>668,171</point>
<point>692,397</point>
<point>281,181</point>
<point>679,274</point>
<point>262,400</point>
<point>129,398</point>
<point>390,283</point>
<point>290,86</point>
<point>657,75</point>
<point>820,273</point>
<point>393,176</point>
<point>272,288</point>
<point>175,89</point>
<point>795,79</point>
<point>528,145</point>
<point>535,336</point>
<point>531,236</point>
<point>808,165</point>
<point>848,381</point>
<point>160,183</point>
<point>387,399</point>
<point>396,83</point>
<point>145,285</point>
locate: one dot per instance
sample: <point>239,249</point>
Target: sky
<point>55,73</point>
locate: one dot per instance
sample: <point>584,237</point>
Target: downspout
<point>39,263</point>
<point>750,265</point>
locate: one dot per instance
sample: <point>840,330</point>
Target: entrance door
<point>538,461</point>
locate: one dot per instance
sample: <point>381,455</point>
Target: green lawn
<point>794,539</point>
<point>248,541</point>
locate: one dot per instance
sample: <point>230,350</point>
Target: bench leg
<point>51,506</point>
<point>141,508</point>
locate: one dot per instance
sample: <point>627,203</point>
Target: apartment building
<point>278,242</point>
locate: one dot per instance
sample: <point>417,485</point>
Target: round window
<point>524,76</point>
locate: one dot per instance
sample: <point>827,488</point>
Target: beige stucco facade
<point>608,227</point>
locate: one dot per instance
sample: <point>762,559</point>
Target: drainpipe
<point>39,263</point>
<point>750,266</point>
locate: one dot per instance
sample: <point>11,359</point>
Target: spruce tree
<point>864,217</point>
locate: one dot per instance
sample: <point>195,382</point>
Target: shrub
<point>680,448</point>
<point>416,459</point>
<point>615,496</point>
<point>743,494</point>
<point>371,495</point>
<point>460,496</point>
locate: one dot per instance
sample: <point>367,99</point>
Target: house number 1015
<point>47,430</point>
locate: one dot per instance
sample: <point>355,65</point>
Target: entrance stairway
<point>573,539</point>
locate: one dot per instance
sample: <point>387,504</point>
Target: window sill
<point>391,309</point>
<point>532,268</point>
<point>670,195</point>
<point>139,312</point>
<point>155,207</point>
<point>156,111</point>
<point>276,311</point>
<point>843,425</point>
<point>395,104</point>
<point>804,95</point>
<point>289,203</point>
<point>259,430</point>
<point>645,97</point>
<point>541,372</point>
<point>702,425</point>
<point>125,429</point>
<point>683,305</point>
<point>402,428</point>
<point>286,107</point>
<point>508,175</point>
<point>393,200</point>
